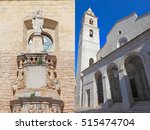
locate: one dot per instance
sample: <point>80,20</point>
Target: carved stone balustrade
<point>32,59</point>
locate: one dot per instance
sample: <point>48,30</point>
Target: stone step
<point>138,107</point>
<point>116,106</point>
<point>144,103</point>
<point>142,106</point>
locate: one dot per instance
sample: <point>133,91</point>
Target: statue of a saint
<point>37,21</point>
<point>19,82</point>
<point>53,81</point>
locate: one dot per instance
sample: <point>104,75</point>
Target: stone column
<point>95,92</point>
<point>145,84</point>
<point>106,92</point>
<point>147,70</point>
<point>79,93</point>
<point>126,91</point>
<point>37,44</point>
<point>140,87</point>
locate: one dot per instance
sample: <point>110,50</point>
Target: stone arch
<point>99,85</point>
<point>113,76</point>
<point>43,33</point>
<point>47,41</point>
<point>49,26</point>
<point>122,66</point>
<point>48,23</point>
<point>134,67</point>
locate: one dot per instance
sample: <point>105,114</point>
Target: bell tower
<point>88,48</point>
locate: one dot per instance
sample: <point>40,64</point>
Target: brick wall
<point>12,40</point>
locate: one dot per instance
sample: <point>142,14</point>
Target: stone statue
<point>37,21</point>
<point>52,80</point>
<point>19,83</point>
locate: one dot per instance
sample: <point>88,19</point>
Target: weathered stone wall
<point>65,69</point>
<point>13,40</point>
<point>8,69</point>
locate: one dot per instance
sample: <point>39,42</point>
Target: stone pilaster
<point>127,97</point>
<point>95,92</point>
<point>147,68</point>
<point>107,92</point>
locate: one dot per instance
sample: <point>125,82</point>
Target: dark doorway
<point>100,91</point>
<point>133,88</point>
<point>99,84</point>
<point>88,97</point>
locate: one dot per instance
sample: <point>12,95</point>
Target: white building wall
<point>130,27</point>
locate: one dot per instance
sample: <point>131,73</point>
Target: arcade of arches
<point>136,76</point>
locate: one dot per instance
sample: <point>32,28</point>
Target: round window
<point>123,41</point>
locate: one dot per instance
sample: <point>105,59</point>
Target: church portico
<point>121,78</point>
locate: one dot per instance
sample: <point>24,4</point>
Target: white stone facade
<point>120,79</point>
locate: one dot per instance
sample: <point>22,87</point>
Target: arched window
<point>47,41</point>
<point>91,21</point>
<point>91,33</point>
<point>91,61</point>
